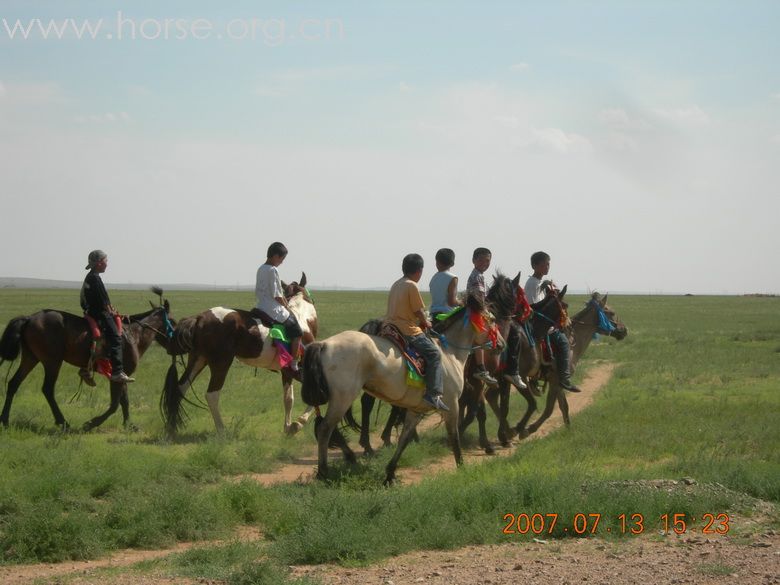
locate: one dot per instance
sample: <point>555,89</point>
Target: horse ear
<point>563,292</point>
<point>516,279</point>
<point>167,306</point>
<point>604,300</point>
<point>303,279</point>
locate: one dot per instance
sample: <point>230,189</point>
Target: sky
<point>638,143</point>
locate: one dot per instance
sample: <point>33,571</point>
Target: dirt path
<point>48,572</point>
<point>302,469</point>
<point>646,559</point>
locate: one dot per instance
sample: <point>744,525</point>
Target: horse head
<point>606,320</point>
<point>295,288</point>
<point>550,312</point>
<point>158,320</point>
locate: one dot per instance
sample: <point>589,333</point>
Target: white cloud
<point>519,67</point>
<point>560,141</point>
<point>619,119</point>
<point>691,115</point>
<point>404,87</point>
<point>776,96</point>
<point>775,139</point>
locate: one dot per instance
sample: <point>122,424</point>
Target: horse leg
<point>451,424</point>
<point>28,362</point>
<point>396,417</point>
<point>481,419</point>
<point>366,406</point>
<point>51,373</point>
<point>552,396</point>
<point>521,429</point>
<point>410,424</point>
<point>124,403</point>
<point>219,372</point>
<point>324,428</point>
<point>499,404</point>
<point>563,404</point>
<point>290,428</point>
<point>117,388</point>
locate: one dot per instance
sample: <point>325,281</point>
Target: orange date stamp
<point>594,523</point>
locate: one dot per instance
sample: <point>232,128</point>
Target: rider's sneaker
<point>122,377</point>
<point>436,402</point>
<point>516,381</point>
<point>566,384</point>
<point>86,376</point>
<point>483,375</point>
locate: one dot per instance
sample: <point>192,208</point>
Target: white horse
<point>338,369</point>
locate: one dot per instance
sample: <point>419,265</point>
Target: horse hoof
<point>489,450</point>
<point>290,430</point>
<point>131,428</point>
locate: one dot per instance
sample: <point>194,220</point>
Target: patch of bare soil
<point>644,559</point>
<point>51,572</point>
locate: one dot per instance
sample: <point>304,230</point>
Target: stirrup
<point>86,376</point>
<point>516,381</point>
<point>485,376</point>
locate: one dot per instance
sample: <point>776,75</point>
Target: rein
<point>166,322</point>
<point>445,343</point>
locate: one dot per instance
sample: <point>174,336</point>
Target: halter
<point>167,325</point>
<point>604,324</point>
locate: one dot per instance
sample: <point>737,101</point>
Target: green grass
<point>694,396</point>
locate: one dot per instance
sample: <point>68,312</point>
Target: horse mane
<point>130,319</point>
<point>501,296</point>
<point>183,336</point>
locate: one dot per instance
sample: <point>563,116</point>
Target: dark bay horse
<point>52,337</point>
<point>501,300</point>
<point>552,309</point>
<point>596,317</point>
<point>215,337</point>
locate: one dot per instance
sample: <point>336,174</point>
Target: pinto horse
<point>336,370</point>
<point>52,337</point>
<point>216,336</point>
<point>552,309</point>
<point>596,317</point>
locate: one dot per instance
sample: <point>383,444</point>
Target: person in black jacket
<point>96,304</point>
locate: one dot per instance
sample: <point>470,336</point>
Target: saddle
<point>263,317</point>
<point>99,364</point>
<point>278,334</point>
<point>413,359</point>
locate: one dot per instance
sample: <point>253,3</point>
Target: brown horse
<point>475,392</point>
<point>596,317</point>
<point>216,336</point>
<point>52,337</point>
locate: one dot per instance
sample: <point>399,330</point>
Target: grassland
<point>694,395</point>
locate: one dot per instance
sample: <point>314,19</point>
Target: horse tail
<point>170,401</point>
<point>349,420</point>
<point>11,342</point>
<point>314,389</point>
<point>183,339</point>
